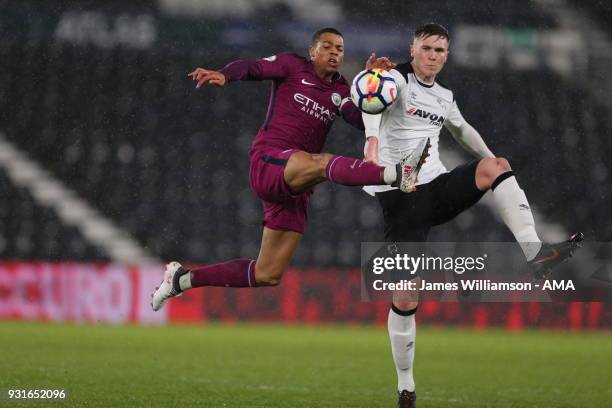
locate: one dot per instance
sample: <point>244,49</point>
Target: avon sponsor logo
<point>431,117</point>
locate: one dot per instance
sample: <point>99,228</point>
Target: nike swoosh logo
<point>306,82</point>
<point>554,255</point>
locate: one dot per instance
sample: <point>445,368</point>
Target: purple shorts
<point>283,209</point>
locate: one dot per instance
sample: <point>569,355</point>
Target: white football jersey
<point>419,111</point>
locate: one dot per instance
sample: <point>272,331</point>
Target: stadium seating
<point>29,231</point>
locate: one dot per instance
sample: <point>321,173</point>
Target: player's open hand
<point>379,63</point>
<point>205,76</point>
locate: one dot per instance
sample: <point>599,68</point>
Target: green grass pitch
<point>277,366</point>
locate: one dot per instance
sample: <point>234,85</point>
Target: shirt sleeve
<point>372,124</point>
<point>400,81</point>
<point>454,118</point>
<point>350,113</point>
<point>274,67</point>
<point>465,134</point>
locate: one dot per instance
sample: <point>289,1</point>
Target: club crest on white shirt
<point>442,103</point>
<point>412,96</point>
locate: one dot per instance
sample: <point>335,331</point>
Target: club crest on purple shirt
<point>336,98</point>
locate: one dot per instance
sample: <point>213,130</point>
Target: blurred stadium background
<point>111,162</point>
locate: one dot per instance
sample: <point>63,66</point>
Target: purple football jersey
<point>302,106</point>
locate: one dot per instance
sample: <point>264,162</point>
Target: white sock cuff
<point>400,312</point>
<point>505,178</point>
<point>390,175</point>
<point>402,321</point>
<point>185,281</point>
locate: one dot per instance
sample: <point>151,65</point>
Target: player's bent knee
<point>493,167</point>
<point>297,163</point>
<point>489,169</point>
<point>405,305</point>
<point>303,169</point>
<point>502,165</point>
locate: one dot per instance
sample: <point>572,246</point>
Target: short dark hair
<point>429,29</point>
<point>318,33</point>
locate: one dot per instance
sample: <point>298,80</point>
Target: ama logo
<point>432,117</point>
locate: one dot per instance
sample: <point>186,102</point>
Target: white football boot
<point>410,165</point>
<point>169,287</point>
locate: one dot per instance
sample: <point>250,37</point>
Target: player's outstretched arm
<point>372,133</point>
<point>207,77</point>
<point>470,140</point>
<point>370,150</point>
<point>274,67</point>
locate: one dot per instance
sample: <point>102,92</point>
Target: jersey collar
<point>423,84</point>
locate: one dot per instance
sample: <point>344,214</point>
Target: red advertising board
<point>116,294</point>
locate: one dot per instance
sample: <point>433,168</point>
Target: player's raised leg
<point>511,202</point>
<point>277,249</point>
<point>512,205</point>
<point>275,253</point>
<point>304,170</point>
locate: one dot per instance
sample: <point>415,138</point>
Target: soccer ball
<point>373,90</point>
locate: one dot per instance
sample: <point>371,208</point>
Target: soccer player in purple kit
<point>286,160</point>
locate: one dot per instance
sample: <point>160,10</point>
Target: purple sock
<point>237,273</point>
<point>353,172</point>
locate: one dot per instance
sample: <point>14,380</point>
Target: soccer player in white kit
<point>422,107</point>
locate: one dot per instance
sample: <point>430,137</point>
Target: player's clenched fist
<point>204,76</point>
